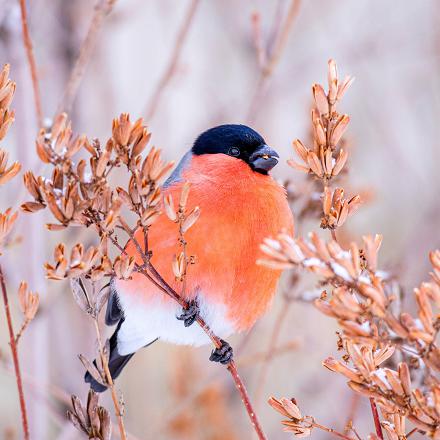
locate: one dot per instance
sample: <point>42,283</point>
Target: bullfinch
<point>240,204</point>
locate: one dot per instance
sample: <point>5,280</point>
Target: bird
<point>241,204</point>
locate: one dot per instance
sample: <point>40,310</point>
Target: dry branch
<point>32,63</point>
<point>173,61</point>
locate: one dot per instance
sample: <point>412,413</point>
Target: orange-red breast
<point>240,204</point>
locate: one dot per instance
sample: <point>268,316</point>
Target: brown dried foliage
<point>93,420</point>
<point>390,356</point>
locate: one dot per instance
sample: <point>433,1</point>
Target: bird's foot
<point>190,314</point>
<point>223,354</point>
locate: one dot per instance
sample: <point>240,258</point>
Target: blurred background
<point>213,76</point>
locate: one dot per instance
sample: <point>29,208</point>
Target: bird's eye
<point>234,151</point>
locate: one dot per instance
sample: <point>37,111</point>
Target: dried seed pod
<point>320,99</point>
<point>7,221</point>
<point>189,221</point>
<point>339,129</point>
<point>179,266</point>
<point>7,173</point>
<point>169,208</point>
<point>340,162</point>
<point>184,195</point>
<point>28,301</point>
<point>314,163</point>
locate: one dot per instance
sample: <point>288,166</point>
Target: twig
<point>15,357</point>
<point>102,9</point>
<point>410,433</point>
<point>355,400</point>
<point>273,58</point>
<point>22,329</point>
<point>261,356</point>
<point>261,378</point>
<point>376,418</point>
<point>330,430</point>
<point>152,274</point>
<point>168,73</point>
<point>31,60</point>
<point>110,382</point>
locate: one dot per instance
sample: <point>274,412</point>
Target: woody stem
<point>14,351</point>
<point>153,275</point>
<point>376,418</point>
<point>110,383</point>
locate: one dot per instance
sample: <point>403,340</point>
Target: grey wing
<point>114,312</point>
<point>176,175</point>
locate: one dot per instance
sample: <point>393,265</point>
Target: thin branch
<point>15,357</point>
<point>410,433</point>
<point>22,329</point>
<point>376,418</point>
<point>261,356</point>
<point>330,430</point>
<point>168,73</point>
<point>152,274</point>
<point>32,64</point>
<point>102,9</point>
<point>273,341</point>
<point>272,59</point>
<point>110,382</point>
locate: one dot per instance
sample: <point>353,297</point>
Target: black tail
<point>116,363</point>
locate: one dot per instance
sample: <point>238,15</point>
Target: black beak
<point>263,159</point>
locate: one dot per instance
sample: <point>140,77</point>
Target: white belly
<point>146,322</point>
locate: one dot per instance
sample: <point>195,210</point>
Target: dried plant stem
<point>354,406</point>
<point>376,418</point>
<point>102,9</point>
<point>173,61</point>
<point>148,270</point>
<point>281,40</point>
<point>410,433</point>
<point>15,357</point>
<point>272,59</point>
<point>22,329</point>
<point>252,360</point>
<point>110,382</point>
<point>31,60</point>
<point>231,367</point>
<point>330,431</point>
<point>276,331</point>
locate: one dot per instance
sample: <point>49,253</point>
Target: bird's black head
<point>238,141</point>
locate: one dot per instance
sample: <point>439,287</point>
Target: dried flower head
<point>92,419</point>
<point>326,159</point>
<point>28,301</point>
<point>337,209</point>
<point>7,90</point>
<point>7,173</point>
<point>7,221</point>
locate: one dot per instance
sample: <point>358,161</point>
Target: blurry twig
<point>376,418</point>
<point>102,9</point>
<point>268,59</point>
<point>116,402</point>
<point>261,378</point>
<point>168,73</point>
<point>31,60</point>
<point>15,357</point>
<point>261,356</point>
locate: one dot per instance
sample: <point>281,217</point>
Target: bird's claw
<point>223,354</point>
<point>190,314</point>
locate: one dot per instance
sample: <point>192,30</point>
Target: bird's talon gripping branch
<point>190,314</point>
<point>223,354</point>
